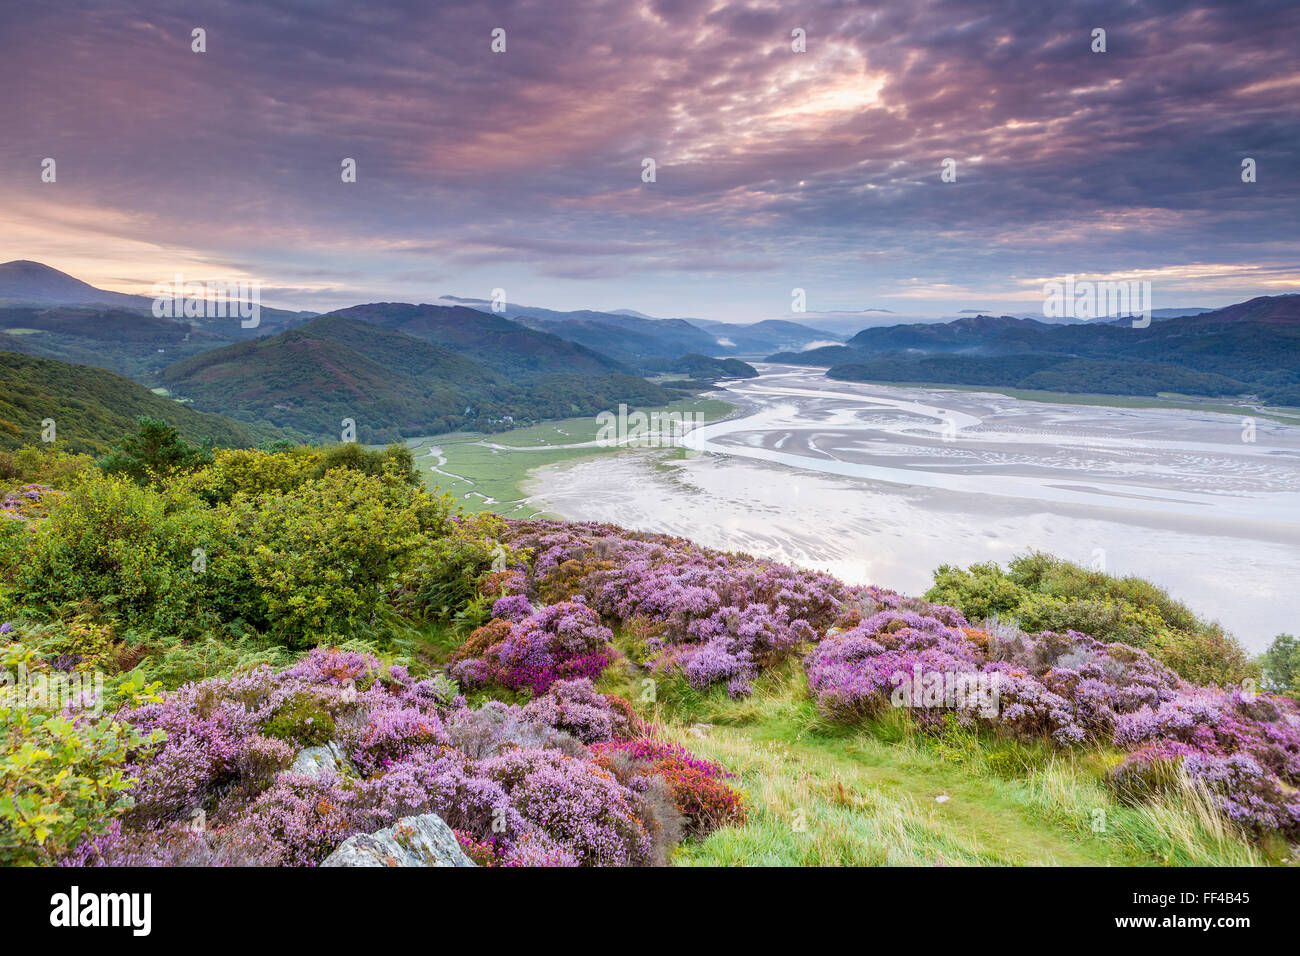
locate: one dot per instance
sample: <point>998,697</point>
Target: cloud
<point>524,169</point>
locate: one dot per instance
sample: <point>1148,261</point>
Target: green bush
<point>444,580</point>
<point>113,545</point>
<point>319,559</point>
<point>154,452</point>
<point>1043,593</point>
<point>1281,666</point>
<point>61,780</point>
<point>301,720</point>
<point>41,465</point>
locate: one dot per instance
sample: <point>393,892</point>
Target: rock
<point>314,761</point>
<point>423,840</point>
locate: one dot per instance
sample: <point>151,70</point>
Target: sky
<point>774,170</point>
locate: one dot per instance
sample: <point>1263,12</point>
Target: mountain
<point>27,283</point>
<point>128,342</point>
<point>635,342</point>
<point>391,384</point>
<point>24,281</point>
<point>760,338</point>
<point>498,343</point>
<point>91,408</point>
<point>632,337</point>
<point>1250,348</point>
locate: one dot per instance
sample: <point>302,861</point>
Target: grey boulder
<point>314,761</point>
<point>423,840</point>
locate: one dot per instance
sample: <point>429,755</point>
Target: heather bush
<point>516,782</point>
<point>717,618</point>
<point>559,641</point>
<point>577,803</point>
<point>697,788</point>
<point>574,707</point>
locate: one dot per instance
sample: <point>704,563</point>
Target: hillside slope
<point>92,408</point>
<point>392,385</point>
<point>497,343</point>
<point>1251,348</point>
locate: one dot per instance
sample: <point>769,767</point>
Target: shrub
<point>697,788</point>
<point>445,576</point>
<point>1281,666</point>
<point>319,559</point>
<point>115,544</point>
<point>63,777</point>
<point>302,720</point>
<point>43,465</point>
<point>557,642</point>
<point>1043,593</point>
<point>153,453</point>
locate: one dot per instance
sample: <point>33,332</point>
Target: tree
<point>1281,663</point>
<point>155,450</point>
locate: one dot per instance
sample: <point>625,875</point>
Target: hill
<point>496,342</point>
<point>23,280</point>
<point>24,283</point>
<point>92,408</point>
<point>633,337</point>
<point>391,384</point>
<point>1251,348</point>
<point>131,343</point>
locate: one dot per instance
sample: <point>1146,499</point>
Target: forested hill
<point>1251,348</point>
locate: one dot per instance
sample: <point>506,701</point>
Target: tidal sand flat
<point>881,484</point>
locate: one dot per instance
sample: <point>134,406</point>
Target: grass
<point>820,794</point>
<point>486,472</point>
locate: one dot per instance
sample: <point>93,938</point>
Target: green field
<point>485,472</point>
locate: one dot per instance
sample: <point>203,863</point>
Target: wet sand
<point>882,484</point>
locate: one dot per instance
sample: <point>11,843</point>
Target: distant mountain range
<point>400,369</point>
<point>631,336</point>
<point>1251,348</point>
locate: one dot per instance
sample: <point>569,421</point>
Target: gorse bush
<point>113,544</point>
<point>43,466</point>
<point>320,558</point>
